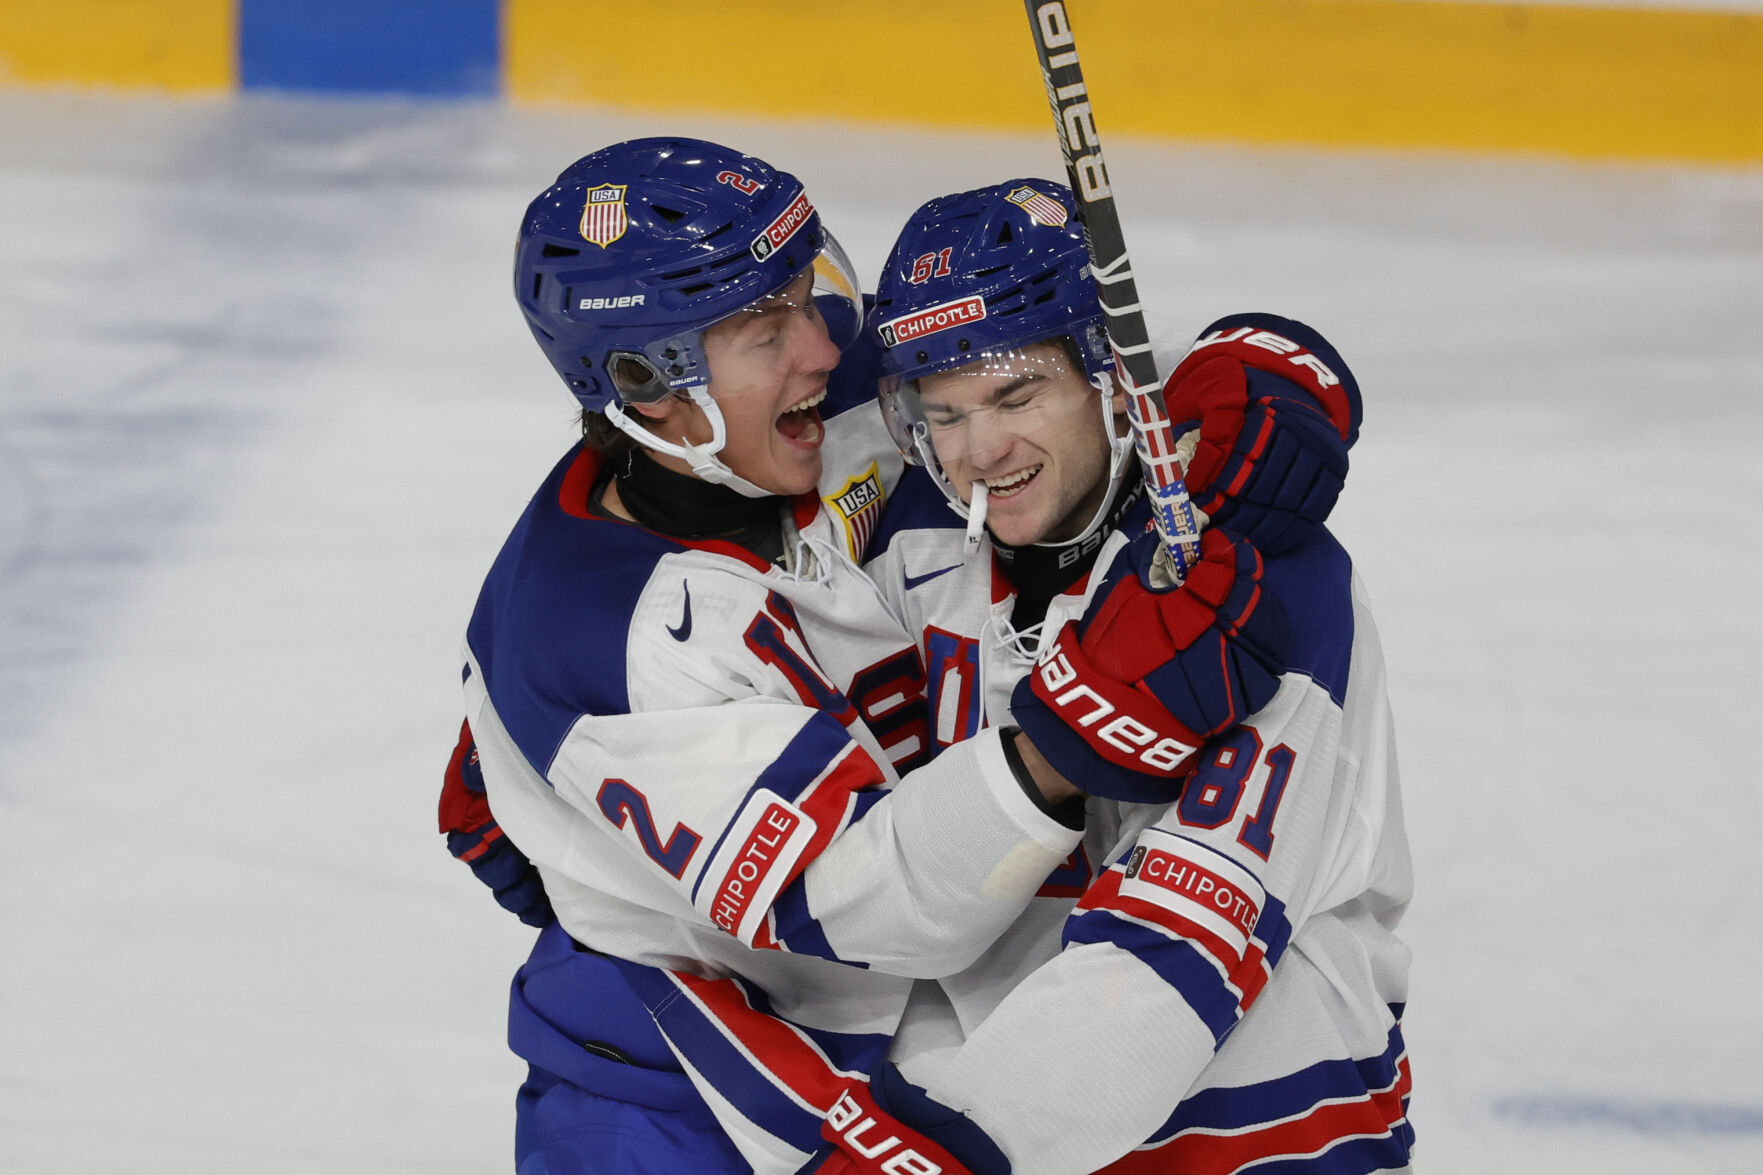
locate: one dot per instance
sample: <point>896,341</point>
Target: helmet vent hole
<point>1006,235</point>
<point>1045,296</point>
<point>990,271</point>
<point>560,251</point>
<point>696,288</point>
<point>670,215</point>
<point>538,280</point>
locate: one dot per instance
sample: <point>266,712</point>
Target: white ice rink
<point>267,411</point>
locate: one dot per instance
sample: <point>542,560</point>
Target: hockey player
<point>1231,988</point>
<point>694,714</point>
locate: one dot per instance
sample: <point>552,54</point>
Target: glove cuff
<point>1289,350</point>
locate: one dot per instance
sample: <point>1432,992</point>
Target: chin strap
<point>706,466</point>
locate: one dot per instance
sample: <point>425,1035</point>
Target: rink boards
<point>1629,81</point>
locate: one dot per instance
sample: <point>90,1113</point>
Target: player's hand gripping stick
<point>1121,701</point>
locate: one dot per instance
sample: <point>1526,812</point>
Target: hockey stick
<point>1136,367</point>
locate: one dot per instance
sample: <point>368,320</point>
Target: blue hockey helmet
<point>973,280</point>
<point>986,271</point>
<point>637,249</point>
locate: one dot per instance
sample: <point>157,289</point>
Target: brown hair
<point>604,437</point>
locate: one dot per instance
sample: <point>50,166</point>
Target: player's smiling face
<point>1029,427</point>
<point>768,370</point>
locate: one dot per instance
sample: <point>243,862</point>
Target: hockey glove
<point>1121,701</point>
<point>474,837</point>
<point>892,1127</point>
<point>1276,410</point>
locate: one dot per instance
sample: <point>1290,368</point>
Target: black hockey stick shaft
<point>1154,437</point>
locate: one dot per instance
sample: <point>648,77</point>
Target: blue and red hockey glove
<point>892,1127</point>
<point>474,837</point>
<point>1120,701</point>
<point>1277,411</point>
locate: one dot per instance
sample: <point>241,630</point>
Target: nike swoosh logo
<point>913,581</point>
<point>685,625</point>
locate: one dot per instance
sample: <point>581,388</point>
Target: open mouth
<point>1010,485</point>
<point>801,422</point>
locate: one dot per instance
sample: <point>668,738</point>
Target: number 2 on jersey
<point>619,800</point>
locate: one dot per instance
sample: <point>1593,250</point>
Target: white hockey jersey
<point>697,748</point>
<point>1230,989</point>
<point>958,609</point>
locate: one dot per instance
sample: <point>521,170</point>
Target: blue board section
<point>435,48</point>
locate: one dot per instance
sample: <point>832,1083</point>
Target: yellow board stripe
<point>1627,83</point>
<point>1616,82</point>
<point>178,45</point>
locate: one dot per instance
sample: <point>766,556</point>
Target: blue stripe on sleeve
<point>856,1052</point>
<point>1273,929</point>
<point>746,1087</point>
<point>796,927</point>
<point>1353,1156</point>
<point>820,740</point>
<point>1176,961</point>
<point>1245,1106</point>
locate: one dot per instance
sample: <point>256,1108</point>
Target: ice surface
<point>267,410</point>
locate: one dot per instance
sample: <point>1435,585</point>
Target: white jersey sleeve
<point>679,735</point>
<point>1279,875</point>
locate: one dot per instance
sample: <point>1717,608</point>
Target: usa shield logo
<point>1041,208</point>
<point>858,505</point>
<point>603,218</point>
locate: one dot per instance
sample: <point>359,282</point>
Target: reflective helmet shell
<point>989,270</point>
<point>623,262</point>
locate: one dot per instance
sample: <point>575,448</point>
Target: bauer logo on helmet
<point>618,303</point>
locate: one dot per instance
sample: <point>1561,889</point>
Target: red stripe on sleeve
<point>828,801</point>
<point>1248,973</point>
<point>776,1046</point>
<point>1371,1115</point>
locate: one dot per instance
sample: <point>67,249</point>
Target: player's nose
<point>989,441</point>
<point>813,350</point>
